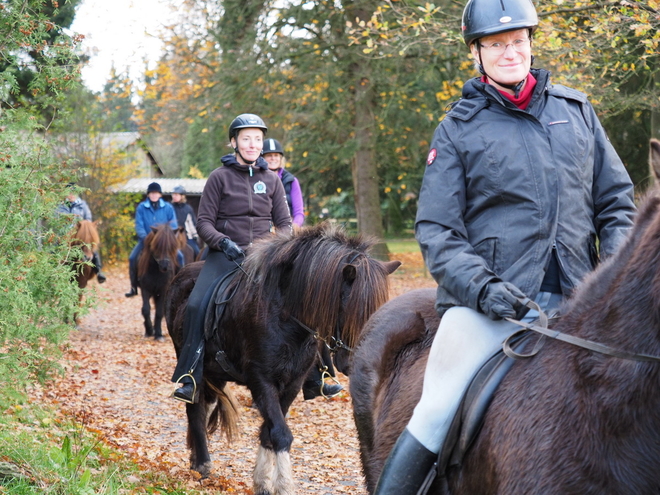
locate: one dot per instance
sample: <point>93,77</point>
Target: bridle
<point>336,343</point>
<point>542,328</point>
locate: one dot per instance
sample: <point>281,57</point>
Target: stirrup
<point>194,394</point>
<point>325,375</point>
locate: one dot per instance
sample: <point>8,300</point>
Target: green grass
<point>42,453</point>
<point>403,246</point>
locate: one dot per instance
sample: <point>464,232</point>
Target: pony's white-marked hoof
<point>159,339</point>
<point>283,484</point>
<point>264,471</point>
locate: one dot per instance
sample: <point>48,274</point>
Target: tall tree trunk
<point>364,167</point>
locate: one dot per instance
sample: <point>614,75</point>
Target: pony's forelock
<point>311,263</point>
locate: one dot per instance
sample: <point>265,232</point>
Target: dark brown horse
<point>570,420</point>
<point>184,247</point>
<point>86,238</point>
<point>157,266</point>
<point>296,291</point>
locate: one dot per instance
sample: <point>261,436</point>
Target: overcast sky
<point>123,32</point>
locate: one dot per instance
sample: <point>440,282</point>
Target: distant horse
<point>569,420</point>
<point>85,237</point>
<point>296,291</point>
<point>184,247</point>
<point>157,266</point>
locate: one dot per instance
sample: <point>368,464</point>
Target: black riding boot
<point>315,386</point>
<point>189,391</point>
<point>132,273</point>
<point>406,468</point>
<point>96,261</point>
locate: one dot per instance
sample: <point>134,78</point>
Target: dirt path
<point>118,383</point>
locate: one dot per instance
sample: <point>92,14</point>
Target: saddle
<point>469,417</point>
<point>216,299</point>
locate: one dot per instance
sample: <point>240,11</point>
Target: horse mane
<point>297,271</point>
<point>161,242</point>
<point>86,234</point>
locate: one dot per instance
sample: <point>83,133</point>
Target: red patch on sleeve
<point>432,154</point>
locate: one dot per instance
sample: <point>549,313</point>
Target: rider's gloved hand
<point>231,249</point>
<point>500,300</point>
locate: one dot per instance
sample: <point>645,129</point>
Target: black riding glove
<point>231,249</point>
<point>500,300</point>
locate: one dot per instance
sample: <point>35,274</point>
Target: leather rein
<point>542,328</point>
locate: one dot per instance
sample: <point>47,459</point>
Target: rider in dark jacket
<point>241,201</point>
<point>521,195</point>
<point>185,217</point>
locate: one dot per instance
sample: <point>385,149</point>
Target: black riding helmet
<point>485,17</point>
<point>246,121</point>
<point>273,146</point>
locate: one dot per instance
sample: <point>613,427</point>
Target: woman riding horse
<point>499,221</point>
<point>240,201</point>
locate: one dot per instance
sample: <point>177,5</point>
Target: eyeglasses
<point>499,47</point>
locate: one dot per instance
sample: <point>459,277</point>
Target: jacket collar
<point>147,203</point>
<point>475,88</point>
<point>230,161</point>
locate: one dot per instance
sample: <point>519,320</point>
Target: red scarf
<point>525,95</point>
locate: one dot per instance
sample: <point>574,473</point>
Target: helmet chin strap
<point>248,162</point>
<point>516,88</point>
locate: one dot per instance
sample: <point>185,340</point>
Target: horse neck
<point>619,304</point>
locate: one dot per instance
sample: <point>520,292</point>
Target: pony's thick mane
<point>87,235</point>
<point>159,243</point>
<point>305,273</point>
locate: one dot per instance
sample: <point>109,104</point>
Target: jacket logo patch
<point>432,154</point>
<point>260,188</point>
<point>555,122</point>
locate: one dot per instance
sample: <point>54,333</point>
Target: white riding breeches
<point>465,340</point>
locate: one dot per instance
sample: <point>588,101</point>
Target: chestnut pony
<point>157,266</point>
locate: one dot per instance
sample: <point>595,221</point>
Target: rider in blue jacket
<point>151,212</point>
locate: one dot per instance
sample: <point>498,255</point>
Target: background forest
<point>354,90</point>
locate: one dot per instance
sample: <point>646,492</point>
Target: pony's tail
<point>225,413</point>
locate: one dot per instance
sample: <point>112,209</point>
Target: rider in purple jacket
<point>274,155</point>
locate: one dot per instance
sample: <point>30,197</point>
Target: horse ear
<point>181,229</point>
<point>391,266</point>
<point>153,228</point>
<point>350,273</point>
<point>654,159</point>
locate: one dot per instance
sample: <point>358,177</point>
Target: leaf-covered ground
<point>118,384</point>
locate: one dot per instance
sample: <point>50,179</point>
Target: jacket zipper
<point>562,272</point>
<point>249,193</point>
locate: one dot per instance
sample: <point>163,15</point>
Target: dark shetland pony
<point>568,421</point>
<point>157,266</point>
<point>317,280</point>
